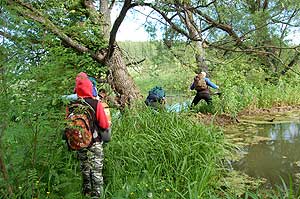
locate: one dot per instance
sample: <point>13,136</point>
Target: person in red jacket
<point>91,158</point>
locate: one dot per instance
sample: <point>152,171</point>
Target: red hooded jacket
<point>84,89</point>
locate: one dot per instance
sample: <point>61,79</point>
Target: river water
<point>269,145</point>
<point>269,150</point>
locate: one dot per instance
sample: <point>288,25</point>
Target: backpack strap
<point>93,103</point>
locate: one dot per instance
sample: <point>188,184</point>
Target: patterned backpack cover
<point>80,125</point>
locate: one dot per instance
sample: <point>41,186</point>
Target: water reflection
<point>274,159</point>
<point>288,132</point>
<point>177,103</point>
<point>178,107</point>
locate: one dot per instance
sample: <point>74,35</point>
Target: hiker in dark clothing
<point>156,98</point>
<point>201,84</point>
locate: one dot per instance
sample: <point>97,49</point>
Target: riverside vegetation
<point>151,155</point>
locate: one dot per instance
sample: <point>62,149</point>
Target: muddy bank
<point>266,115</point>
<point>273,110</point>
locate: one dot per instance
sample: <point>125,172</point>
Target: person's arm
<point>72,97</point>
<point>192,87</point>
<point>209,83</point>
<point>101,117</point>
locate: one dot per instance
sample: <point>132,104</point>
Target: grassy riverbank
<point>151,155</point>
<point>163,155</point>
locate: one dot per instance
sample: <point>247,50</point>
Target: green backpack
<point>156,94</point>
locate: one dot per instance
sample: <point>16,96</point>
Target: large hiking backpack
<point>80,125</point>
<point>200,83</point>
<point>107,112</point>
<point>156,94</point>
<point>106,134</point>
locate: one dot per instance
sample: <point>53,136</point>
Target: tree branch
<point>35,15</point>
<point>111,4</point>
<point>168,20</point>
<point>16,40</point>
<point>135,62</point>
<point>225,27</point>
<point>194,32</point>
<point>265,5</point>
<point>291,64</point>
<point>92,12</point>
<point>8,36</point>
<point>113,33</point>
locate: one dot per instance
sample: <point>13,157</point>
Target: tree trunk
<point>120,80</point>
<point>200,57</point>
<point>196,35</point>
<point>106,23</point>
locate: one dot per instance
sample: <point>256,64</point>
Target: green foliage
<point>35,72</point>
<point>36,158</point>
<point>160,67</point>
<point>246,86</point>
<point>155,155</point>
<point>165,155</point>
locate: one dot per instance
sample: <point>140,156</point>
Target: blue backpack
<point>156,94</point>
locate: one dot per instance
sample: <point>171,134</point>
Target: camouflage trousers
<point>91,165</point>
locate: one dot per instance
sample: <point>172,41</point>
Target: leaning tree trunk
<point>120,79</point>
<point>197,38</point>
<point>200,57</point>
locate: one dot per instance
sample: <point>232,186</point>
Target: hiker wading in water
<point>201,84</point>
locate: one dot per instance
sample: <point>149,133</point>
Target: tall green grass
<point>35,156</point>
<point>152,155</point>
<point>251,88</point>
<point>163,155</point>
<point>38,162</point>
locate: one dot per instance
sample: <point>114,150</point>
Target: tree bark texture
<point>120,79</point>
<point>196,35</point>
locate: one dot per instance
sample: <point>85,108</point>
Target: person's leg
<point>97,166</point>
<point>85,168</point>
<point>207,98</point>
<point>196,99</point>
